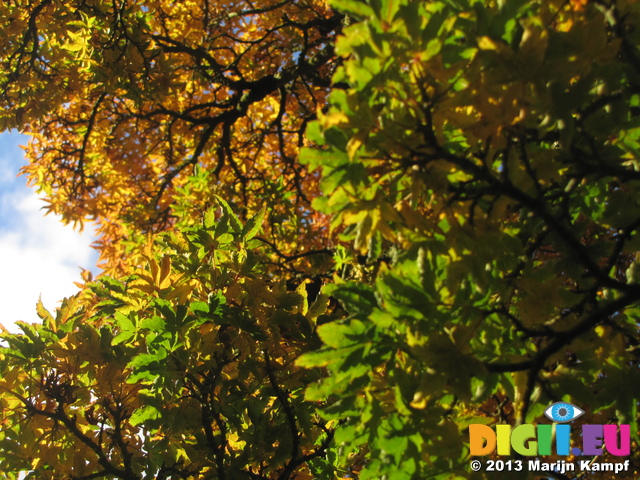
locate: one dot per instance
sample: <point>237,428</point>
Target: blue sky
<point>38,255</point>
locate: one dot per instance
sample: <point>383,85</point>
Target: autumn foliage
<point>334,234</point>
<point>180,101</point>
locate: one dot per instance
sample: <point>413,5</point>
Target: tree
<point>184,370</point>
<point>144,116</point>
<point>484,157</point>
<point>138,108</point>
<point>472,173</point>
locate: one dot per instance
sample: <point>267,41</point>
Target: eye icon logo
<point>562,412</point>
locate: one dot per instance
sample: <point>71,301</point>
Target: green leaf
<point>354,7</point>
<point>144,359</point>
<point>43,313</point>
<point>199,306</point>
<point>341,335</point>
<point>356,298</point>
<point>253,225</point>
<point>234,223</point>
<point>144,414</point>
<point>210,217</point>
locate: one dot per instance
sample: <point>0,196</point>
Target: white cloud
<point>38,257</point>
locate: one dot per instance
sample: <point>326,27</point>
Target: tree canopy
<point>139,111</point>
<point>335,234</point>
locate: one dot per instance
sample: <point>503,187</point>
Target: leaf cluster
<point>478,159</point>
<point>185,369</point>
